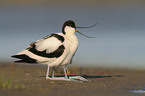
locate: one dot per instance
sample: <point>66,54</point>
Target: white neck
<point>69,31</point>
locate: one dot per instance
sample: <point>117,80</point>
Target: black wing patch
<point>59,37</point>
<point>57,53</point>
<point>24,59</point>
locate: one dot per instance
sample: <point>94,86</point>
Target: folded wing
<point>43,50</point>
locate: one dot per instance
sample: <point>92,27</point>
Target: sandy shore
<point>103,82</point>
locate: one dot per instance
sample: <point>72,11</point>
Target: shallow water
<point>140,91</point>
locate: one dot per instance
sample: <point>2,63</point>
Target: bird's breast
<point>71,46</point>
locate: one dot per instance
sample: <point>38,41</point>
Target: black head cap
<point>68,23</point>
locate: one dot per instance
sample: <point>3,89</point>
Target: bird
<point>56,49</point>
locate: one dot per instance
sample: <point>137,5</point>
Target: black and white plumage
<point>56,49</point>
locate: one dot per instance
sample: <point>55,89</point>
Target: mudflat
<point>29,80</point>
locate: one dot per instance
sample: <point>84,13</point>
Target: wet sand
<point>103,82</point>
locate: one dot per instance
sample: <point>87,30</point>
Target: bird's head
<point>69,27</point>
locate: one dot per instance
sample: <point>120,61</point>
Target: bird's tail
<point>24,59</point>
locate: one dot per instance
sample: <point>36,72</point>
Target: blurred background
<point>120,34</point>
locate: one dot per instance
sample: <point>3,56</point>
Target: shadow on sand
<point>90,76</point>
<point>100,76</point>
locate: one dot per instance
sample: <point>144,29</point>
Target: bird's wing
<point>44,50</point>
<point>50,46</point>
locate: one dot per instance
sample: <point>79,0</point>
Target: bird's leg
<point>52,74</point>
<point>78,78</point>
<point>75,78</point>
<point>47,74</point>
<point>65,71</point>
<point>54,78</point>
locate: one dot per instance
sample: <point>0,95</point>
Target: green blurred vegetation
<point>7,84</point>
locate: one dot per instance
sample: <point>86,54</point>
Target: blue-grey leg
<point>65,71</point>
<point>52,74</point>
<point>47,74</point>
<point>78,78</point>
<point>75,78</point>
<point>54,78</point>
